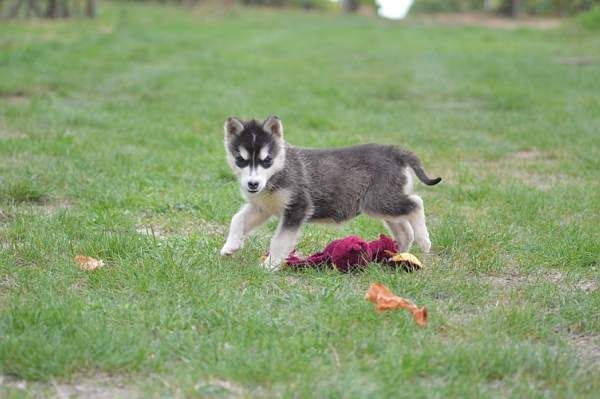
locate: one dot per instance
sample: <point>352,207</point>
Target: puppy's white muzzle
<point>253,183</point>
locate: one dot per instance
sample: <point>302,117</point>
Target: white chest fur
<point>272,203</point>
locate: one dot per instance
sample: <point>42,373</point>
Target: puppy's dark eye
<point>267,162</point>
<point>240,162</point>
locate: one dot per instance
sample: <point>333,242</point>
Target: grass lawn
<point>111,146</point>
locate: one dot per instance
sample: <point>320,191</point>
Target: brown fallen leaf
<point>88,263</point>
<point>384,299</point>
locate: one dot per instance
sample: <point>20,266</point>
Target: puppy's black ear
<point>233,126</point>
<point>273,125</point>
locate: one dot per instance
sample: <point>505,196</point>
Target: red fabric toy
<point>353,253</point>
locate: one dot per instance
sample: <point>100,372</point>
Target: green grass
<point>114,126</point>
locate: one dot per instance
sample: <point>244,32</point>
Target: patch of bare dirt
<point>492,21</point>
<point>14,97</point>
<point>51,208</point>
<point>8,282</point>
<point>561,279</point>
<point>44,206</point>
<point>98,387</point>
<point>153,231</point>
<point>524,166</point>
<point>543,182</point>
<point>499,388</point>
<point>200,226</point>
<point>208,227</point>
<point>587,347</point>
<point>107,29</point>
<point>5,244</point>
<point>510,280</point>
<point>529,154</point>
<point>587,285</point>
<point>554,276</point>
<point>293,280</point>
<point>6,134</point>
<point>509,277</point>
<point>576,61</point>
<point>219,387</point>
<point>459,104</point>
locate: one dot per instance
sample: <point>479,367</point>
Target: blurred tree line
<point>292,3</point>
<point>68,8</point>
<point>47,8</point>
<point>509,7</point>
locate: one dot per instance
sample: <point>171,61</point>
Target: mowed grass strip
<point>111,147</point>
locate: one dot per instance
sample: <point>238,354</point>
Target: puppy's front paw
<point>272,264</point>
<point>229,248</point>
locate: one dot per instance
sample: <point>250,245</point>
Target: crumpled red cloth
<point>349,253</point>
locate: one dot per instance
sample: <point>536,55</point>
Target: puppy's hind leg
<point>403,211</point>
<point>416,218</point>
<point>403,233</point>
<point>247,219</point>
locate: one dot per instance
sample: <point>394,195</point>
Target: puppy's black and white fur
<point>319,185</point>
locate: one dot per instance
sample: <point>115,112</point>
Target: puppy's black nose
<point>252,185</point>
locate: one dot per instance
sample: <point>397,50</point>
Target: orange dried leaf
<point>88,263</point>
<point>384,299</point>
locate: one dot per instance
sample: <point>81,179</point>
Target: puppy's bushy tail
<point>415,163</point>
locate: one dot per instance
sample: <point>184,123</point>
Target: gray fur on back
<point>339,184</point>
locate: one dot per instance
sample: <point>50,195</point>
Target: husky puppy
<point>300,185</point>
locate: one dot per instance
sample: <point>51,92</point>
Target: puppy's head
<point>255,151</point>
